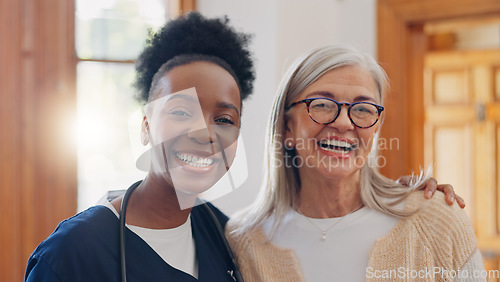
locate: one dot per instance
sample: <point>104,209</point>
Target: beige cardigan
<point>437,236</point>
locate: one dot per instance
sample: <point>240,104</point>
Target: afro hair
<point>195,36</point>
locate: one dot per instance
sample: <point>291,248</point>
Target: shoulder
<point>258,235</point>
<point>242,241</point>
<point>91,222</point>
<point>234,236</point>
<point>436,211</point>
<point>74,238</point>
<point>447,229</point>
<point>248,244</point>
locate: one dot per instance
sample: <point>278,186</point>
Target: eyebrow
<point>190,98</point>
<point>332,96</point>
<point>226,105</point>
<point>180,96</point>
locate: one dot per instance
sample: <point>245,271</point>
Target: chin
<point>341,170</point>
<point>189,183</point>
<point>188,189</point>
<point>338,173</point>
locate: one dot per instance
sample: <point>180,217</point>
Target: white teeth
<point>336,145</point>
<point>193,160</point>
<point>334,150</point>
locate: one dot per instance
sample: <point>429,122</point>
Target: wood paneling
<point>187,5</point>
<point>450,86</point>
<point>454,162</point>
<point>401,45</point>
<point>414,107</point>
<point>401,49</point>
<point>496,83</point>
<point>179,7</point>
<point>38,181</point>
<point>411,11</point>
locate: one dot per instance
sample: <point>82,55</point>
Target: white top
<point>343,256</point>
<point>175,246</point>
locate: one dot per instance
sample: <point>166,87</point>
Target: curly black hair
<point>192,37</point>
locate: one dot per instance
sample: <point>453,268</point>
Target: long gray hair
<point>281,184</point>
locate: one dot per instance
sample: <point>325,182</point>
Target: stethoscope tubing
<point>123,215</point>
<point>235,274</point>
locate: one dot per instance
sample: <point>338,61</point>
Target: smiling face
<point>193,125</point>
<point>339,149</point>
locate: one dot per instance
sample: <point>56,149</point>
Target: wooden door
<point>462,135</point>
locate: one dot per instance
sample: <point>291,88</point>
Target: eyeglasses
<point>325,111</point>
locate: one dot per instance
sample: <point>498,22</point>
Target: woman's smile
<point>194,160</point>
<point>337,147</point>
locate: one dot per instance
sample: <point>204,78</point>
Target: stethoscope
<point>234,273</point>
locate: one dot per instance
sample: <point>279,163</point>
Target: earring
<point>289,145</point>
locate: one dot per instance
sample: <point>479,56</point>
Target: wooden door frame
<point>401,47</point>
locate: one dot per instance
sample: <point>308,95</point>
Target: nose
<point>200,132</point>
<point>342,123</point>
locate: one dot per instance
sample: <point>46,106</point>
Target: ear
<point>289,136</point>
<point>144,131</point>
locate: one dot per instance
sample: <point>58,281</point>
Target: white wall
<point>283,30</point>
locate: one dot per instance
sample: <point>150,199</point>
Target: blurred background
<point>68,119</point>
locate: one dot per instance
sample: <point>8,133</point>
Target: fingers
<point>449,193</point>
<point>460,201</point>
<point>430,188</point>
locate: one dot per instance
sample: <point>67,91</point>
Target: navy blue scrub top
<point>85,247</point>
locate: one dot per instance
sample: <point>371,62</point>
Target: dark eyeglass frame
<point>308,102</point>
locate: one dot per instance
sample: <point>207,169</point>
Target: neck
<point>328,198</point>
<point>155,204</point>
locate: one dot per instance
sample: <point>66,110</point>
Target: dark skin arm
<point>431,186</point>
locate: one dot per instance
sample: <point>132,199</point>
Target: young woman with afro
<point>192,78</point>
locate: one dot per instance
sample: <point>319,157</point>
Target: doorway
<point>447,81</point>
<point>462,118</point>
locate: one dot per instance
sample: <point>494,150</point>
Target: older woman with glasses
<point>326,213</point>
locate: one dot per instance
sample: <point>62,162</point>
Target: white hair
<point>281,184</point>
